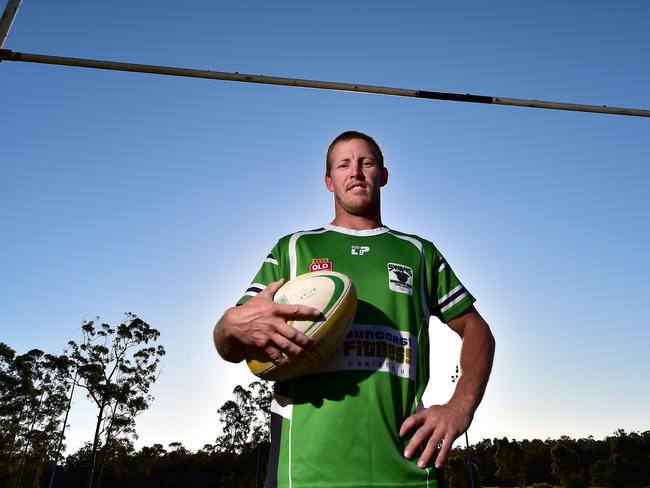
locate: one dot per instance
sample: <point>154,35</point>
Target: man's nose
<point>357,169</point>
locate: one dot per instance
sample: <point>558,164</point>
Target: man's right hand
<point>258,330</point>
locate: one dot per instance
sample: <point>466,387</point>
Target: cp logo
<point>360,250</point>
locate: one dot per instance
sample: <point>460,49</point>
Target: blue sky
<point>158,195</point>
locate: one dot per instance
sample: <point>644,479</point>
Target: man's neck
<point>355,222</point>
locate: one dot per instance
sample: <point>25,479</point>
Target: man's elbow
<point>492,343</point>
<point>486,332</point>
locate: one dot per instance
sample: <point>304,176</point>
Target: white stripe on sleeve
<point>443,298</point>
<point>454,302</point>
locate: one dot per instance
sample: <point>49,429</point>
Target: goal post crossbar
<point>8,55</point>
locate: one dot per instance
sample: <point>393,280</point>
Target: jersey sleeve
<point>450,298</point>
<point>271,270</point>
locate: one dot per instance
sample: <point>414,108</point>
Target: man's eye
<point>368,163</point>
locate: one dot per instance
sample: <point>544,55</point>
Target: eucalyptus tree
<point>10,412</point>
<point>510,461</point>
<point>32,400</point>
<point>566,466</point>
<point>45,379</point>
<point>245,419</point>
<point>117,367</point>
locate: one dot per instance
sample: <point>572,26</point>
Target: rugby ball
<point>336,297</point>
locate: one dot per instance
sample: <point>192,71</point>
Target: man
<point>348,424</point>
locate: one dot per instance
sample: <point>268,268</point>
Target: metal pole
<point>8,55</point>
<point>257,467</point>
<point>8,16</point>
<point>469,462</point>
<point>65,422</point>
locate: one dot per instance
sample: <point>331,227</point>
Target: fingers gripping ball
<point>336,297</point>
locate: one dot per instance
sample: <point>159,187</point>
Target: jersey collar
<point>358,233</point>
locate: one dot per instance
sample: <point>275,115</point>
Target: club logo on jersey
<point>321,264</point>
<point>400,278</point>
<point>359,250</point>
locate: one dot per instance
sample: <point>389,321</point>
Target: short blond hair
<point>348,136</point>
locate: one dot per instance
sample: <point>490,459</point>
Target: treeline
<point>619,461</point>
<point>115,368</point>
<point>175,466</point>
<point>237,458</point>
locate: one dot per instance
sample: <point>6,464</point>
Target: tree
<point>483,455</point>
<point>627,462</point>
<point>245,419</point>
<point>116,367</point>
<point>509,458</point>
<point>261,396</point>
<point>538,461</point>
<point>48,375</point>
<point>235,415</point>
<point>10,412</point>
<point>566,466</point>
<point>32,387</point>
<point>590,451</point>
<point>602,473</point>
<point>456,469</point>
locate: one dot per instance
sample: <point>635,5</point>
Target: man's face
<point>355,177</point>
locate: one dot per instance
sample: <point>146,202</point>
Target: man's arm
<point>258,330</point>
<point>445,423</point>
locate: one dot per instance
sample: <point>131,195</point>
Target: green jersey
<point>339,426</point>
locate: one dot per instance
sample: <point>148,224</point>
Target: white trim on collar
<point>359,233</point>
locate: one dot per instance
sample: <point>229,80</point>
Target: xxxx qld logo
<point>321,264</point>
<point>359,250</point>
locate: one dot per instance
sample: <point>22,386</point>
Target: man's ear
<point>328,184</point>
<point>384,176</point>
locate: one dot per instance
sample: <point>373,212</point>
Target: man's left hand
<point>437,427</point>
